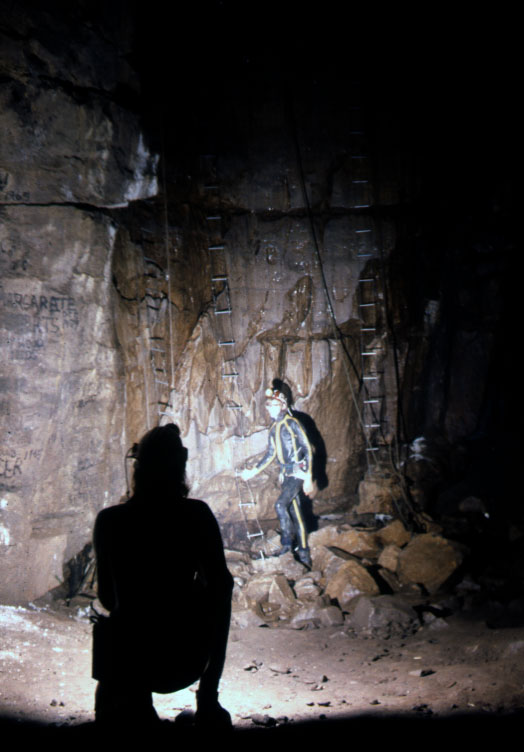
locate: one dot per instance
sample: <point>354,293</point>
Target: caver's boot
<point>284,549</point>
<point>304,556</point>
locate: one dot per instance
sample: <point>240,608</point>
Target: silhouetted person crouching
<point>163,577</point>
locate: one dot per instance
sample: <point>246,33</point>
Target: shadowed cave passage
<point>172,217</point>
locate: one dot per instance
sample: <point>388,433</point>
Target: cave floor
<point>276,674</point>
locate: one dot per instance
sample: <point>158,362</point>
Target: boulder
<point>360,543</point>
<point>384,616</point>
<point>394,533</point>
<point>350,580</point>
<point>389,557</point>
<point>286,565</point>
<point>257,589</point>
<point>327,561</point>
<point>331,616</point>
<point>280,592</point>
<point>428,560</point>
<point>246,618</point>
<point>306,589</point>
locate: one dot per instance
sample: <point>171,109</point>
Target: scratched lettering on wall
<point>15,462</point>
<point>43,317</point>
<point>12,259</point>
<point>11,467</point>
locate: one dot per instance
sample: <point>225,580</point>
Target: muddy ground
<point>276,677</point>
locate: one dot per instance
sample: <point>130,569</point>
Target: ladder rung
<point>223,343</point>
<point>370,378</point>
<point>213,217</point>
<point>364,255</point>
<point>359,232</point>
<point>157,349</point>
<point>369,329</point>
<point>215,247</point>
<point>368,353</point>
<point>367,305</point>
<point>372,402</point>
<point>361,206</point>
<point>371,425</point>
<point>372,449</point>
<point>234,407</point>
<point>219,278</point>
<point>223,310</point>
<point>367,279</point>
<point>254,535</point>
<point>231,375</point>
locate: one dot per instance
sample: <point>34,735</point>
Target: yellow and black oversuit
<point>289,444</point>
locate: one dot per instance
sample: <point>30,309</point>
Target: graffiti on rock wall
<point>13,461</point>
<point>10,467</point>
<point>11,195</point>
<point>33,319</point>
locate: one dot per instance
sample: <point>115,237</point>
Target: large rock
<point>394,533</point>
<point>360,543</point>
<point>351,579</point>
<point>384,616</point>
<point>327,561</point>
<point>389,557</point>
<point>428,560</point>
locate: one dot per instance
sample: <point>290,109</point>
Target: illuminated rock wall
<point>137,204</point>
<point>67,149</point>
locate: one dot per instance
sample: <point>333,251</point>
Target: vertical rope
<point>168,263</point>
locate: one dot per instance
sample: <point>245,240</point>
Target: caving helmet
<point>277,398</point>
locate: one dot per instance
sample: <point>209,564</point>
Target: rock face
<point>166,257</point>
<point>63,392</point>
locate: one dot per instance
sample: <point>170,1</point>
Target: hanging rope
<point>168,262</point>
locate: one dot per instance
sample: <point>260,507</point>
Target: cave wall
<point>69,149</point>
<point>133,171</point>
<point>236,208</point>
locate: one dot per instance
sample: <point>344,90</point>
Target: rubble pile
<point>355,572</point>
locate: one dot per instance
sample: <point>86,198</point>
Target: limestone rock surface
<point>61,370</point>
<point>384,616</point>
<point>351,580</point>
<point>428,560</point>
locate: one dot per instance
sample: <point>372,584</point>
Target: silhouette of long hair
<point>160,467</point>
